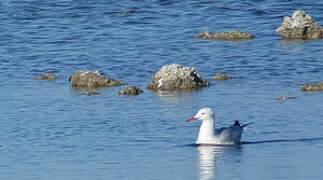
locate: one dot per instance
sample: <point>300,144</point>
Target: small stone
<point>92,80</point>
<point>128,12</point>
<point>221,77</point>
<point>285,97</point>
<point>48,76</point>
<point>124,12</point>
<point>300,26</point>
<point>176,77</point>
<point>231,36</point>
<point>313,87</point>
<point>130,90</point>
<point>90,93</point>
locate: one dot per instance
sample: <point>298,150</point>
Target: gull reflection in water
<point>207,161</point>
<point>208,155</point>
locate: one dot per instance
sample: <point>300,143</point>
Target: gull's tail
<point>236,123</point>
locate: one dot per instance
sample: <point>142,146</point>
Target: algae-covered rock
<point>231,36</point>
<point>313,87</point>
<point>92,80</point>
<point>176,77</point>
<point>48,76</point>
<point>300,26</point>
<point>131,91</point>
<point>221,77</point>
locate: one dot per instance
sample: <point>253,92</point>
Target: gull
<point>222,136</point>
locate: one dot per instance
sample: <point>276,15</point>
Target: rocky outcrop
<point>313,87</point>
<point>177,77</point>
<point>300,26</point>
<point>92,80</point>
<point>231,36</point>
<point>48,76</point>
<point>221,77</point>
<point>130,91</point>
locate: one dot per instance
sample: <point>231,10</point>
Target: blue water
<point>48,131</point>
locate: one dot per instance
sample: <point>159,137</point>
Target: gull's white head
<point>204,114</point>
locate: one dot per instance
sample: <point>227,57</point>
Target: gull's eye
<point>203,113</point>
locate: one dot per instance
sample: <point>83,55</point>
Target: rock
<point>48,76</point>
<point>221,77</point>
<point>130,90</point>
<point>285,97</point>
<point>300,26</point>
<point>90,93</point>
<point>313,87</point>
<point>92,80</point>
<point>177,77</point>
<point>232,35</point>
<point>124,12</point>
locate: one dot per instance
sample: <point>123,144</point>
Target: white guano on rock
<point>300,26</point>
<point>177,77</point>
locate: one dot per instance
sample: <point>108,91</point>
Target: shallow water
<point>48,131</point>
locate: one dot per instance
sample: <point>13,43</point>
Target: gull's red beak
<point>191,119</point>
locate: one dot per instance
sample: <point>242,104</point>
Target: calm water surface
<point>48,131</point>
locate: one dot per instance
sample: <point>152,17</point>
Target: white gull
<point>223,136</point>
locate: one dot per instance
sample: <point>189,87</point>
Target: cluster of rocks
<point>231,36</point>
<point>300,26</point>
<point>90,79</point>
<point>169,78</point>
<point>172,77</point>
<point>177,77</point>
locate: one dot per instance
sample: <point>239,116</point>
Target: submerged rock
<point>130,90</point>
<point>285,97</point>
<point>221,77</point>
<point>300,26</point>
<point>176,77</point>
<point>92,80</point>
<point>48,76</point>
<point>90,93</point>
<point>124,12</point>
<point>313,87</point>
<point>232,35</point>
